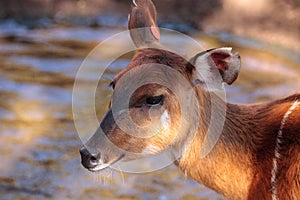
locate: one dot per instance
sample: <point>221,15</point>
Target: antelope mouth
<point>101,166</point>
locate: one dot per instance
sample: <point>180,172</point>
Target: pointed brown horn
<point>142,23</point>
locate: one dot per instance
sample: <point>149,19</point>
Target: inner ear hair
<point>212,62</point>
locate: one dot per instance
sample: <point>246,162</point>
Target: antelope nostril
<point>89,160</point>
<point>95,158</point>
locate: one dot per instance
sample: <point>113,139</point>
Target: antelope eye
<point>151,101</point>
<point>112,84</point>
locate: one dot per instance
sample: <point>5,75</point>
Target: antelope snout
<point>89,160</point>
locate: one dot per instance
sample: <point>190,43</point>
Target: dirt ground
<point>273,21</point>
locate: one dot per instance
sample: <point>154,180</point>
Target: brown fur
<point>240,165</point>
<point>149,55</point>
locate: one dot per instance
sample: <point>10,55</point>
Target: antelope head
<point>157,100</point>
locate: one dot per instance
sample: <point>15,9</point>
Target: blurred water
<point>38,142</point>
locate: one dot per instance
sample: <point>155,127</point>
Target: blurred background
<point>42,45</point>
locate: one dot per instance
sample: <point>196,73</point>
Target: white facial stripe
<point>165,123</point>
<point>277,150</point>
<point>165,119</point>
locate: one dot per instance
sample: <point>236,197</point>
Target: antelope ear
<point>215,62</point>
<point>142,23</point>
